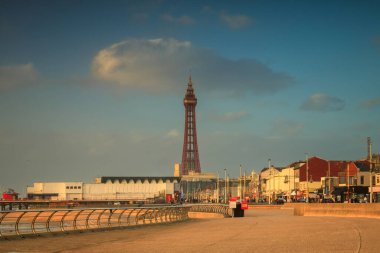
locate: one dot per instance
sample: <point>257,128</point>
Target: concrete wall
<point>334,209</point>
<point>201,215</point>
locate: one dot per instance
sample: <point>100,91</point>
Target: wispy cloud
<point>15,76</point>
<point>235,21</point>
<point>370,103</point>
<point>231,116</point>
<point>184,19</point>
<point>162,65</point>
<point>323,103</point>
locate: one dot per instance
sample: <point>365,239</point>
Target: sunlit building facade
<point>107,188</point>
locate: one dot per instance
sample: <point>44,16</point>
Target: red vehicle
<point>10,195</point>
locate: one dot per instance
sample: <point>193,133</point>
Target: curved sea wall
<point>365,210</point>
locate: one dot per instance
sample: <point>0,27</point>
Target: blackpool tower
<point>190,155</point>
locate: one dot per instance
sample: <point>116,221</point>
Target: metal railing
<point>37,222</point>
<point>212,208</point>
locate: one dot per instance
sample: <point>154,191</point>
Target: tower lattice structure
<point>190,155</point>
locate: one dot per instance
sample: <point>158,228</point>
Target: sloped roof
<point>362,165</point>
<point>272,167</point>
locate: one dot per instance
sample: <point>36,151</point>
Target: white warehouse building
<point>106,188</point>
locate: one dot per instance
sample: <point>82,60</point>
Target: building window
<point>67,187</point>
<point>79,187</point>
<point>377,180</point>
<point>361,180</point>
<point>71,187</point>
<point>373,180</point>
<point>75,187</point>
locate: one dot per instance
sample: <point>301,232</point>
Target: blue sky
<point>95,88</point>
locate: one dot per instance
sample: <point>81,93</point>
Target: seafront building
<point>315,179</point>
<point>108,188</point>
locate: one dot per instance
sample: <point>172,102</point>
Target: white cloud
<point>163,65</point>
<point>236,21</point>
<point>184,19</point>
<point>147,64</point>
<point>323,103</point>
<point>15,76</point>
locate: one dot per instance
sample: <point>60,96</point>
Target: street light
<point>225,185</point>
<point>348,183</point>
<point>270,195</point>
<point>244,191</point>
<point>370,170</point>
<point>240,191</point>
<point>329,179</point>
<point>307,177</point>
<point>217,189</point>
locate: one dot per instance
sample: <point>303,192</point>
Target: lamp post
<point>289,190</point>
<point>240,190</point>
<point>187,190</point>
<point>193,191</point>
<point>370,169</point>
<point>348,183</point>
<point>228,186</point>
<point>270,195</point>
<point>225,185</point>
<point>217,189</point>
<point>307,177</point>
<point>244,190</point>
<point>329,176</point>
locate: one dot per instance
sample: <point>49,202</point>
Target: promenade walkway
<point>260,231</point>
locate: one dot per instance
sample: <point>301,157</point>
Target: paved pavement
<point>260,231</point>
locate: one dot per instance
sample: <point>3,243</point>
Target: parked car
<point>301,200</point>
<point>280,201</point>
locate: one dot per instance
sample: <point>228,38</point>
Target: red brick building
<point>318,168</point>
